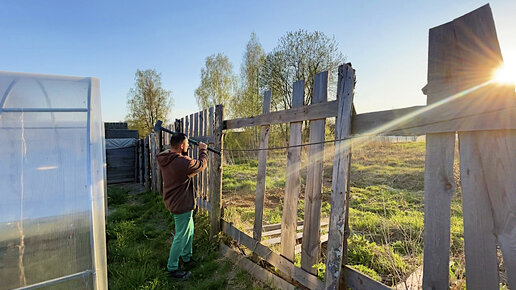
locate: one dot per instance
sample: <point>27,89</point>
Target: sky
<point>386,41</point>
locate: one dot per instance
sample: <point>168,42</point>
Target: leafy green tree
<point>147,101</point>
<point>299,55</point>
<point>218,84</point>
<point>248,102</point>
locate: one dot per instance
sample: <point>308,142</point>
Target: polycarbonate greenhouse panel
<point>52,183</point>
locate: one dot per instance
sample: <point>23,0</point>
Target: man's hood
<point>166,157</point>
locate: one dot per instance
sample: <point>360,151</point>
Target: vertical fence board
<point>498,156</point>
<point>140,158</point>
<point>205,172</point>
<point>479,53</point>
<point>293,183</point>
<point>440,149</point>
<point>479,239</point>
<point>136,161</point>
<point>340,181</point>
<point>153,161</point>
<point>311,230</point>
<point>260,182</point>
<point>146,162</point>
<point>439,190</point>
<point>216,176</point>
<point>195,152</point>
<point>201,175</point>
<point>159,148</point>
<point>187,126</point>
<point>211,131</point>
<point>191,134</point>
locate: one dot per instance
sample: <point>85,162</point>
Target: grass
<point>386,206</point>
<point>138,241</point>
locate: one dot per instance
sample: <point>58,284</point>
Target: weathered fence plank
<point>311,239</point>
<point>211,124</point>
<point>440,149</point>
<point>260,181</point>
<point>216,173</point>
<point>293,182</point>
<point>340,179</point>
<point>191,135</point>
<point>412,121</point>
<point>205,173</point>
<point>159,148</point>
<point>479,228</point>
<point>146,156</point>
<point>497,153</point>
<point>153,161</point>
<point>200,177</point>
<point>140,157</point>
<point>486,193</point>
<point>195,151</point>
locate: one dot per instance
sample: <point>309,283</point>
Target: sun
<point>505,74</point>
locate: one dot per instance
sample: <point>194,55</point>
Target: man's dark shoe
<point>179,274</point>
<point>190,264</point>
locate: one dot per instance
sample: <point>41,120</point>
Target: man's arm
<point>196,166</point>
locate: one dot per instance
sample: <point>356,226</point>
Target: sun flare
<point>505,74</point>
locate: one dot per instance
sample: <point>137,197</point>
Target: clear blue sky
<point>386,41</point>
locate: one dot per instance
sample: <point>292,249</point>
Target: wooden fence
<point>461,100</point>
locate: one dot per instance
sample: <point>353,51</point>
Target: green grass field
<point>138,241</point>
<point>386,207</point>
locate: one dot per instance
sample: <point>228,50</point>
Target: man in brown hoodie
<point>178,171</point>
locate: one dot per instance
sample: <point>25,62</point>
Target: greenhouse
<point>52,175</point>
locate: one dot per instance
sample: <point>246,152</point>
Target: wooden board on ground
<point>253,269</point>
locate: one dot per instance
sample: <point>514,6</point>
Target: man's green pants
<point>183,238</point>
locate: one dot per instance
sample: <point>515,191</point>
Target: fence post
<point>262,162</point>
<point>292,184</point>
<point>311,242</point>
<point>216,176</point>
<point>337,244</point>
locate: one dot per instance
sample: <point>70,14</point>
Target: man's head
<point>179,143</point>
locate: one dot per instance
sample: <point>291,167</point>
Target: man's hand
<point>202,146</point>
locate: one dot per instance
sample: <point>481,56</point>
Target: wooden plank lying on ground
<point>253,269</point>
<point>272,227</point>
<point>283,264</point>
<point>298,228</point>
<point>324,239</point>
